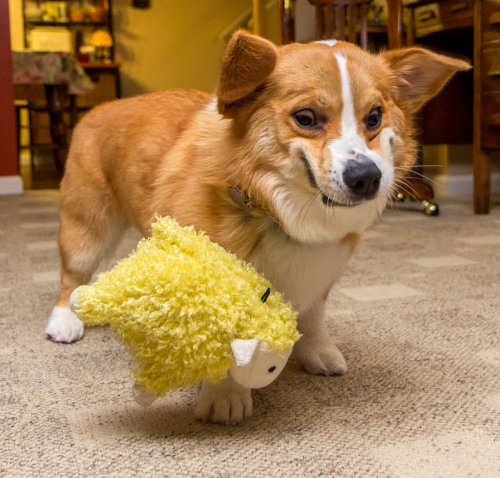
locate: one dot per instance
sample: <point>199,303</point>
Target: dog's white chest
<point>303,273</point>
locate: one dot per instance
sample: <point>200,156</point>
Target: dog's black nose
<point>362,177</point>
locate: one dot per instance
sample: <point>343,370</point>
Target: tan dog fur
<point>176,153</point>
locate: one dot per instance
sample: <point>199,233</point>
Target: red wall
<point>8,146</point>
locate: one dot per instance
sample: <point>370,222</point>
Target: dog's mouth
<point>330,202</point>
<point>327,201</point>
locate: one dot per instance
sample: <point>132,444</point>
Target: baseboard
<point>11,185</point>
<point>461,185</point>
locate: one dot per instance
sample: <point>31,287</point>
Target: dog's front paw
<point>320,356</point>
<point>64,326</point>
<point>226,403</point>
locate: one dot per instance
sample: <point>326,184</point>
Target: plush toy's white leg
<point>227,402</point>
<point>316,349</point>
<point>142,395</point>
<point>64,326</point>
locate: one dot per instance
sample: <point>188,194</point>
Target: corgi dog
<point>295,155</point>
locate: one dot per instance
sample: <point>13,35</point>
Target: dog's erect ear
<point>246,64</point>
<point>421,73</point>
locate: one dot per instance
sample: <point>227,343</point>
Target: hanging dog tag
<point>239,197</point>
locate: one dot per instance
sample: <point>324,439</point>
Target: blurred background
<point>130,47</point>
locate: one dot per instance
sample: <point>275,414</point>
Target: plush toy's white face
<point>255,364</point>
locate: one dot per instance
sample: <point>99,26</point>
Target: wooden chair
<point>33,115</point>
<point>343,20</point>
<point>286,16</point>
<point>395,35</point>
<point>339,19</point>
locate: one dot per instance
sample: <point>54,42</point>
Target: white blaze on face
<point>348,121</point>
<point>350,142</point>
<point>327,42</point>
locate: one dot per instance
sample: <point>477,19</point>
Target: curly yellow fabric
<point>179,301</point>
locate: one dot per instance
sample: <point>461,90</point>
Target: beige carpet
<point>417,317</point>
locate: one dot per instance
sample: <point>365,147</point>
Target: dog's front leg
<point>316,349</point>
<point>227,403</point>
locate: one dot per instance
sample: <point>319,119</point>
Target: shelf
<point>100,66</point>
<point>80,34</point>
<point>41,23</point>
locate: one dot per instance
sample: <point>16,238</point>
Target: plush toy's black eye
<point>374,119</point>
<point>266,294</point>
<point>271,369</point>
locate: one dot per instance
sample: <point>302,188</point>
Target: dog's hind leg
<point>90,225</point>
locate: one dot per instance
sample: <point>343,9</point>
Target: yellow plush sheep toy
<point>189,310</point>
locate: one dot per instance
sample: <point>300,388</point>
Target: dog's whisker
<point>426,178</point>
<point>419,175</point>
<point>408,195</point>
<point>406,187</point>
<point>325,211</point>
<point>417,166</point>
<point>409,189</point>
<point>398,184</point>
<point>397,205</point>
<point>304,210</point>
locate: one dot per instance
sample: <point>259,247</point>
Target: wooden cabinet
<point>486,96</point>
<point>431,17</point>
<point>483,16</point>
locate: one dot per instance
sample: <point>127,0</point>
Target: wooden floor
<point>42,175</point>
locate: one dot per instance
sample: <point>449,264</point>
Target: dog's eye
<point>374,119</point>
<point>306,119</point>
<point>271,369</point>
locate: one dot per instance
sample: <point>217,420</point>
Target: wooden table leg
<point>57,96</point>
<point>395,23</point>
<point>286,18</point>
<point>482,180</point>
